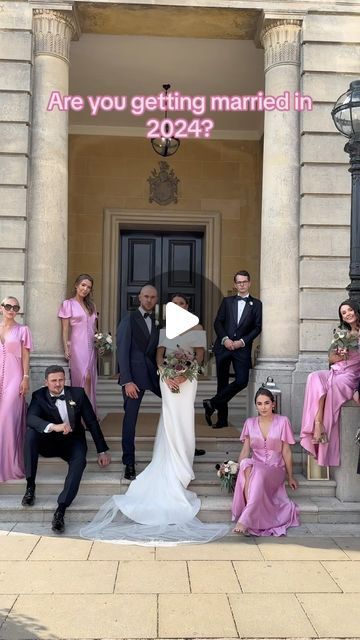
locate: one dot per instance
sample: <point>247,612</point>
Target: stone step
<point>107,484</point>
<point>201,463</point>
<point>323,510</point>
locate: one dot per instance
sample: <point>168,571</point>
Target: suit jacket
<point>42,412</point>
<point>136,351</point>
<point>248,329</point>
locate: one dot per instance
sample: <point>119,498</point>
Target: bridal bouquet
<point>103,343</point>
<point>180,363</point>
<point>343,342</point>
<point>227,472</point>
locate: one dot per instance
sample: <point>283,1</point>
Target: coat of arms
<point>163,184</point>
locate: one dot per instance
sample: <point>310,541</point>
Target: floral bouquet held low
<point>103,343</point>
<point>227,472</point>
<point>343,342</point>
<point>179,364</point>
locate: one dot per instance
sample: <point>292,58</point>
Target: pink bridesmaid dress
<point>268,510</point>
<point>12,405</point>
<point>83,353</point>
<point>338,384</point>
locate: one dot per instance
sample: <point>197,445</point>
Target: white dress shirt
<point>147,320</point>
<point>241,306</point>
<point>62,409</point>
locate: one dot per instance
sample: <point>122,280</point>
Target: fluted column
<point>280,194</point>
<point>48,201</point>
<point>279,287</point>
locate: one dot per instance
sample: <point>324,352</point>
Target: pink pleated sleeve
<point>65,310</point>
<point>26,338</point>
<point>286,431</point>
<point>245,432</point>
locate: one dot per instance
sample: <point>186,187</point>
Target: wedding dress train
<point>158,509</point>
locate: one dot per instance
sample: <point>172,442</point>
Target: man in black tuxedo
<point>137,340</point>
<point>55,429</point>
<point>238,322</point>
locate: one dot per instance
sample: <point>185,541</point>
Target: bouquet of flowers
<point>103,343</point>
<point>180,363</point>
<point>343,342</point>
<point>227,472</point>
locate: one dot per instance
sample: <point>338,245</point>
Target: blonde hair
<point>9,298</point>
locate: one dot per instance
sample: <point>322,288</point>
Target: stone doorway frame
<point>208,222</point>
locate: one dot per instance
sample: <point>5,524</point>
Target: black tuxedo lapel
<point>142,331</point>
<point>234,308</point>
<point>245,312</point>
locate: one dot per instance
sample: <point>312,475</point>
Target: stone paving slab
<point>195,616</point>
<point>6,602</point>
<point>351,546</point>
<point>48,617</point>
<point>57,577</point>
<point>58,548</point>
<point>286,577</point>
<point>217,576</point>
<point>5,527</point>
<point>304,548</point>
<point>146,577</point>
<point>346,575</point>
<point>231,548</point>
<point>17,547</point>
<point>109,551</point>
<point>333,614</point>
<point>271,616</point>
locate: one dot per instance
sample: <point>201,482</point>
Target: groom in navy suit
<point>238,322</point>
<point>137,340</point>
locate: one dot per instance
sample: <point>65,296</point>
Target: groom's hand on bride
<point>131,390</point>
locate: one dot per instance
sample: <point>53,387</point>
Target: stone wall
<point>15,92</point>
<point>330,61</point>
<point>218,175</point>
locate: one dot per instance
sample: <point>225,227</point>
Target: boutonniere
<point>72,403</point>
<point>251,303</point>
<point>157,323</point>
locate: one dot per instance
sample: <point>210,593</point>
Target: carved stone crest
<point>163,184</point>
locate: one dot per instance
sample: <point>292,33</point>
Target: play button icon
<point>178,320</point>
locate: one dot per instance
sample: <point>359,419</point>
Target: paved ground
<point>62,588</point>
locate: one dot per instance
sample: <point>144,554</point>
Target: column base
<point>347,479</point>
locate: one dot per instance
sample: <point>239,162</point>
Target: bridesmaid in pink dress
<point>261,505</point>
<point>15,346</point>
<point>79,320</point>
<point>327,391</point>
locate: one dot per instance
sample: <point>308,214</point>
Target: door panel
<point>172,262</point>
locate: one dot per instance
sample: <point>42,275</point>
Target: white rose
<point>109,339</point>
<point>233,468</point>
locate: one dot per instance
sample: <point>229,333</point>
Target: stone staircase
<point>316,498</point>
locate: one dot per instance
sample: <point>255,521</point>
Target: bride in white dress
<point>158,509</point>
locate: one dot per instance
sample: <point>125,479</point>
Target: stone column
<point>279,287</point>
<point>48,202</point>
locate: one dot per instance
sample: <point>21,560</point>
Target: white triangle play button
<point>178,320</point>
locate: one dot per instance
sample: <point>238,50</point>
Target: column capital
<point>280,39</point>
<point>53,32</point>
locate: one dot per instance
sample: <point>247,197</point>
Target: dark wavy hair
<point>179,295</point>
<point>354,305</point>
<point>263,391</point>
<point>88,300</point>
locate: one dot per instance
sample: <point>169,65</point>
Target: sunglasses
<point>14,307</point>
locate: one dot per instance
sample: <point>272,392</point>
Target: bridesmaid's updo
<point>263,391</point>
<point>88,300</point>
<point>179,295</point>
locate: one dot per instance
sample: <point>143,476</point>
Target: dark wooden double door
<point>172,262</point>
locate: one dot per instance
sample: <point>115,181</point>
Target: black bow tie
<point>147,315</point>
<point>243,299</point>
<point>54,398</point>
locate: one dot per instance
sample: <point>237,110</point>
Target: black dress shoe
<point>209,410</point>
<point>130,473</point>
<point>220,425</point>
<point>29,497</point>
<point>58,524</point>
<point>200,452</point>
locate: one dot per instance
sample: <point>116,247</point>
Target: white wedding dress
<point>158,509</point>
